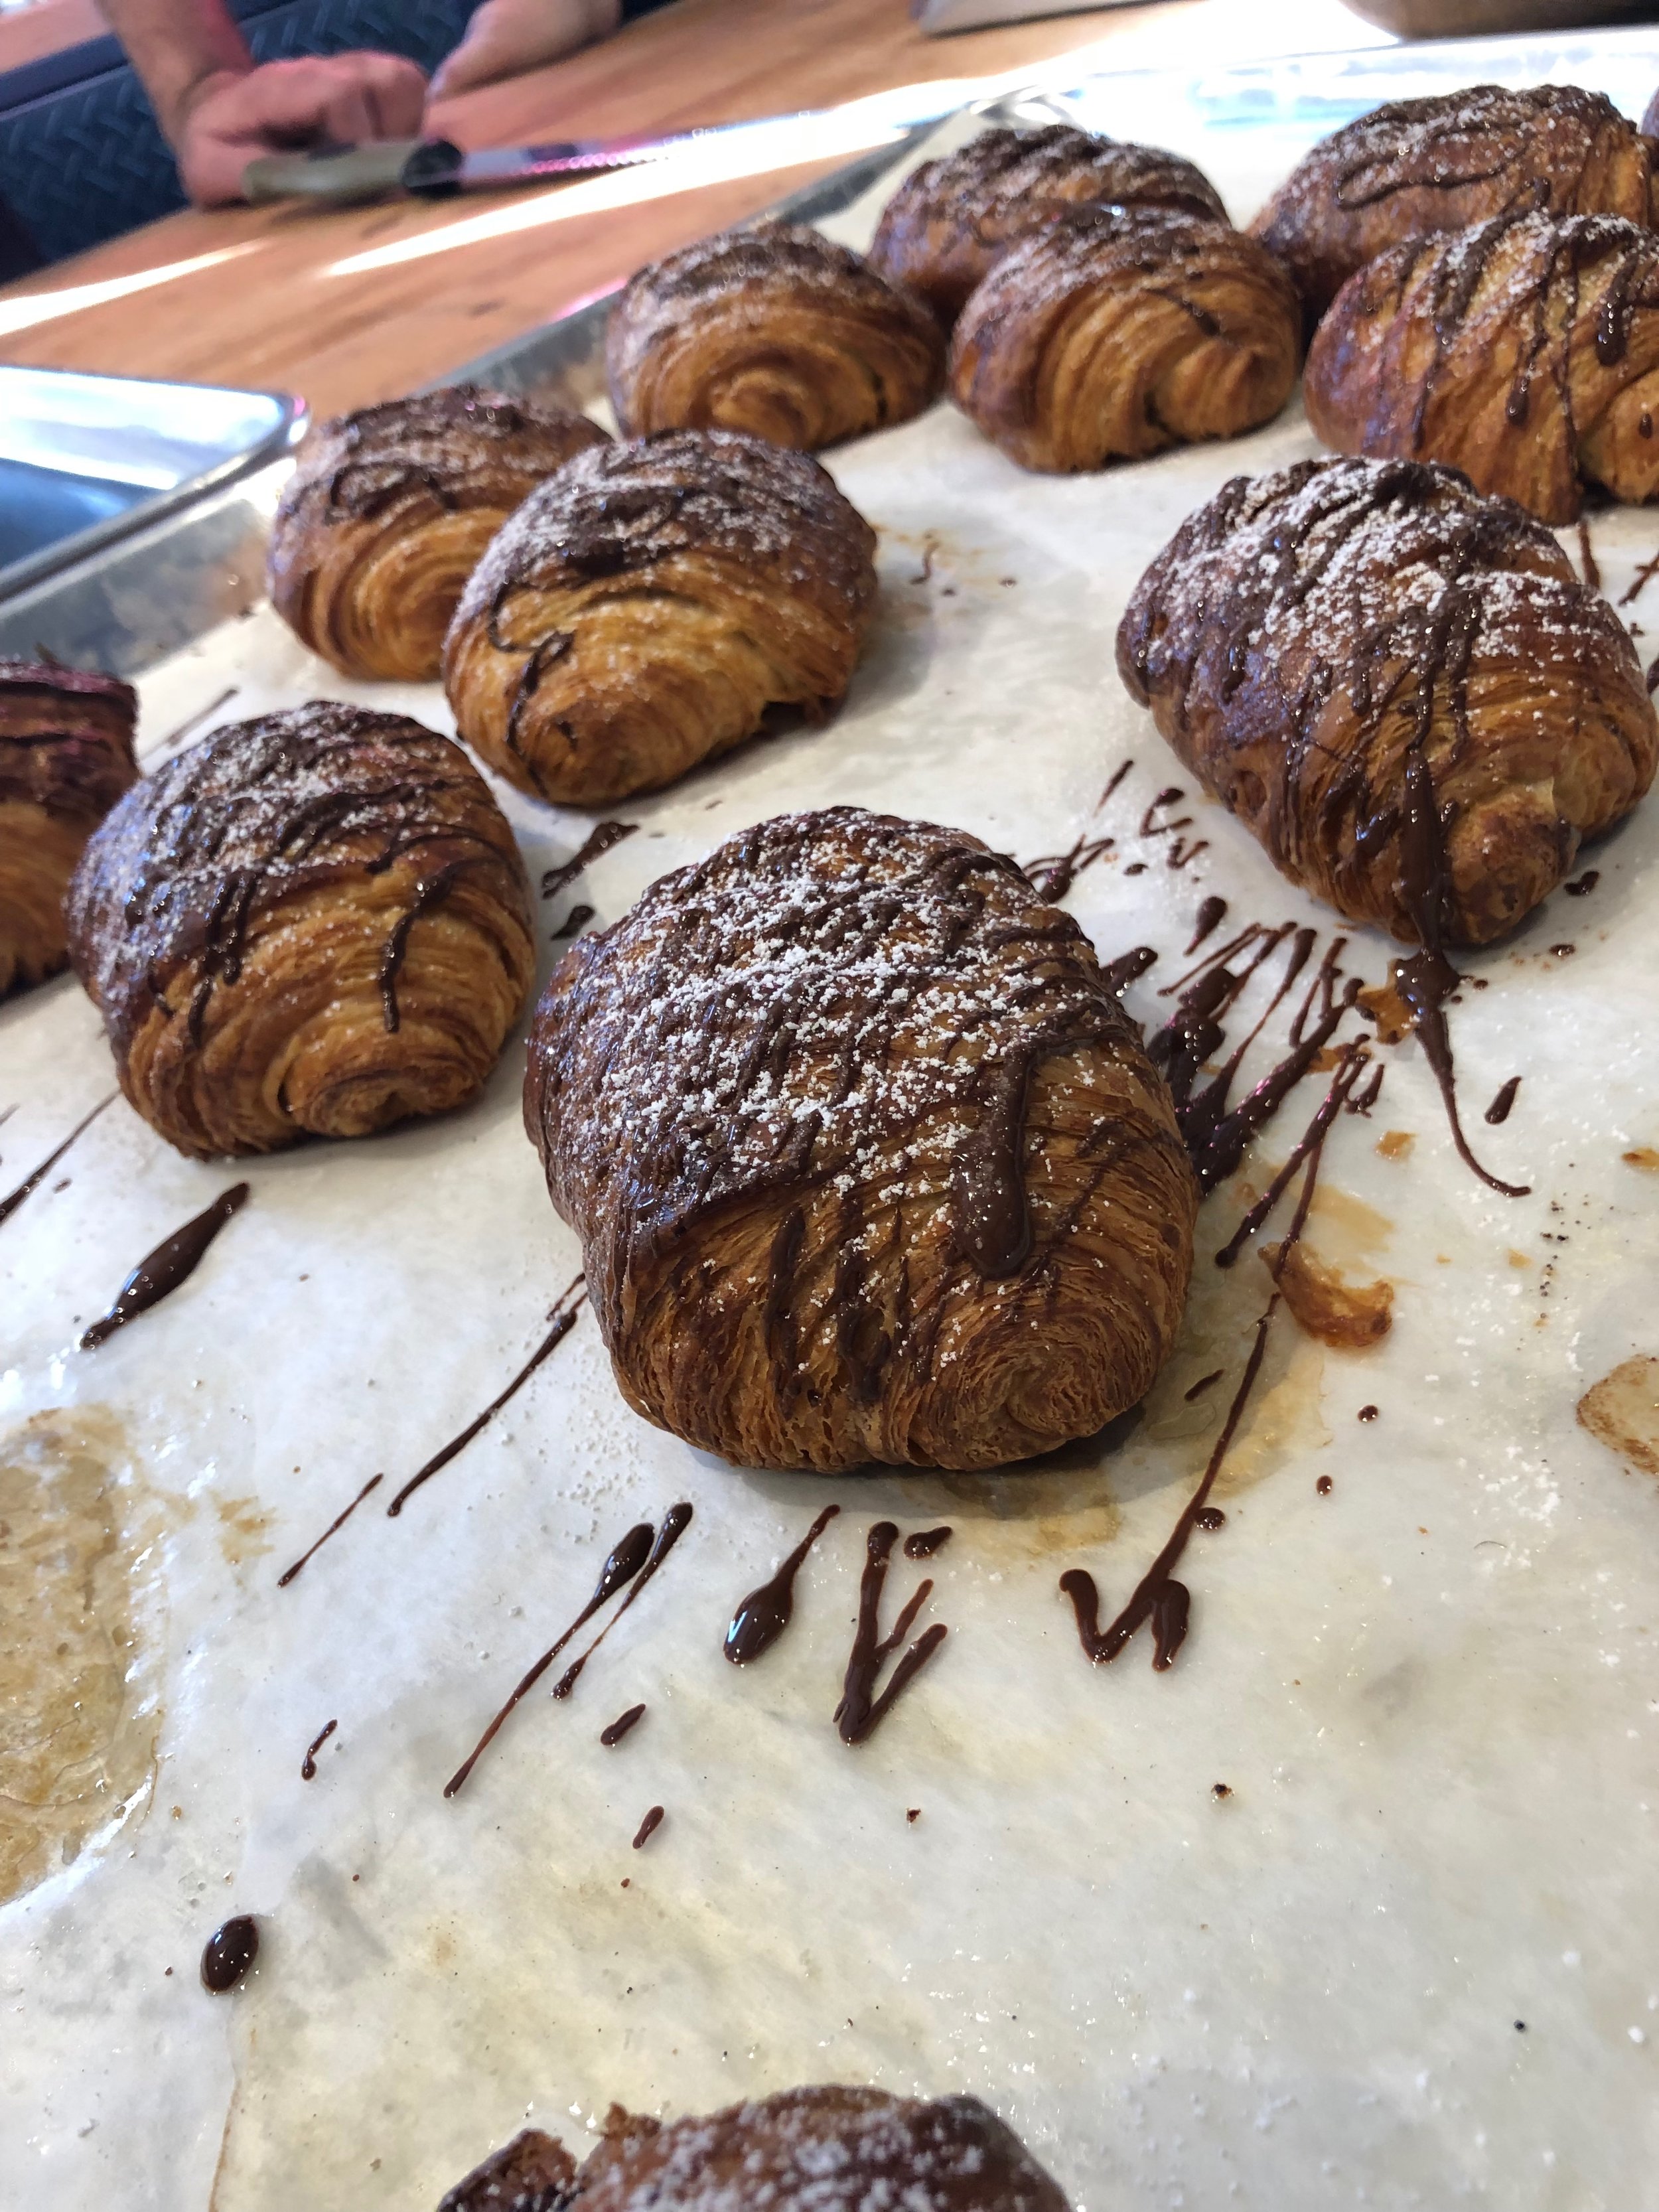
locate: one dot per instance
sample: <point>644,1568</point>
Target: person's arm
<point>219,110</point>
<point>507,37</point>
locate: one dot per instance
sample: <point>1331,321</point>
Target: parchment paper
<point>1408,1960</point>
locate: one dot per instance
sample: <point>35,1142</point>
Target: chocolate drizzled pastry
<point>1418,166</point>
<point>1401,687</point>
<point>1112,332</point>
<point>65,758</point>
<point>389,510</point>
<point>807,2150</point>
<point>950,219</point>
<point>774,330</point>
<point>1525,352</point>
<point>316,922</point>
<point>641,612</point>
<point>866,1158</point>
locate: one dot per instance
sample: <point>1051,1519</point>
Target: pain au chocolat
<point>388,511</point>
<point>807,2150</point>
<point>316,923</point>
<point>866,1158</point>
<point>1525,352</point>
<point>1415,168</point>
<point>1400,686</point>
<point>950,218</point>
<point>65,757</point>
<point>775,332</point>
<point>1113,332</point>
<point>643,610</point>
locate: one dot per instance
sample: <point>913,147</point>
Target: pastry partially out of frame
<point>807,2150</point>
<point>65,757</point>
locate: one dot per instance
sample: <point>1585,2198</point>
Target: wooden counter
<point>274,309</point>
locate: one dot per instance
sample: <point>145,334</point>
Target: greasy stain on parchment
<point>1622,1411</point>
<point>80,1601</point>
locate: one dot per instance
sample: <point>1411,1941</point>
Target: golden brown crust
<point>1113,332</point>
<point>1415,168</point>
<point>1303,633</point>
<point>388,512</point>
<point>316,922</point>
<point>642,610</point>
<point>775,332</point>
<point>866,1160</point>
<point>950,219</point>
<point>1524,351</point>
<point>65,757</point>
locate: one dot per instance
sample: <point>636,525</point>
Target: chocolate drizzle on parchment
<point>32,1182</point>
<point>622,1565</point>
<point>308,1764</point>
<point>599,840</point>
<point>762,1617</point>
<point>561,1319</point>
<point>160,1273</point>
<point>862,1710</point>
<point>1159,1597</point>
<point>675,1523</point>
<point>334,1526</point>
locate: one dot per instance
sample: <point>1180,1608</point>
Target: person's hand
<point>235,116</point>
<point>507,37</point>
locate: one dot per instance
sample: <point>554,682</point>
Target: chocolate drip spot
<point>228,1953</point>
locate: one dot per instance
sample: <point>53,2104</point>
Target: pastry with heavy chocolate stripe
<point>1400,686</point>
<point>1525,352</point>
<point>866,1156</point>
<point>1415,168</point>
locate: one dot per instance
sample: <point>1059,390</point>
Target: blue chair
<point>81,156</point>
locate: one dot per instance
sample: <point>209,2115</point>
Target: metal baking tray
<point>137,586</point>
<point>88,461</point>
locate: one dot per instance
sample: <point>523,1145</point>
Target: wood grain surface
<point>276,312</point>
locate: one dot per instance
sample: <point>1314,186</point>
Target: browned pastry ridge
<point>1400,686</point>
<point>65,758</point>
<point>1112,332</point>
<point>774,330</point>
<point>388,511</point>
<point>866,1159</point>
<point>1418,166</point>
<point>641,612</point>
<point>807,2150</point>
<point>1524,351</point>
<point>317,922</point>
<point>950,219</point>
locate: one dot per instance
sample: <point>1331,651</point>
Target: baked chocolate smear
<point>807,2150</point>
<point>866,1158</point>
